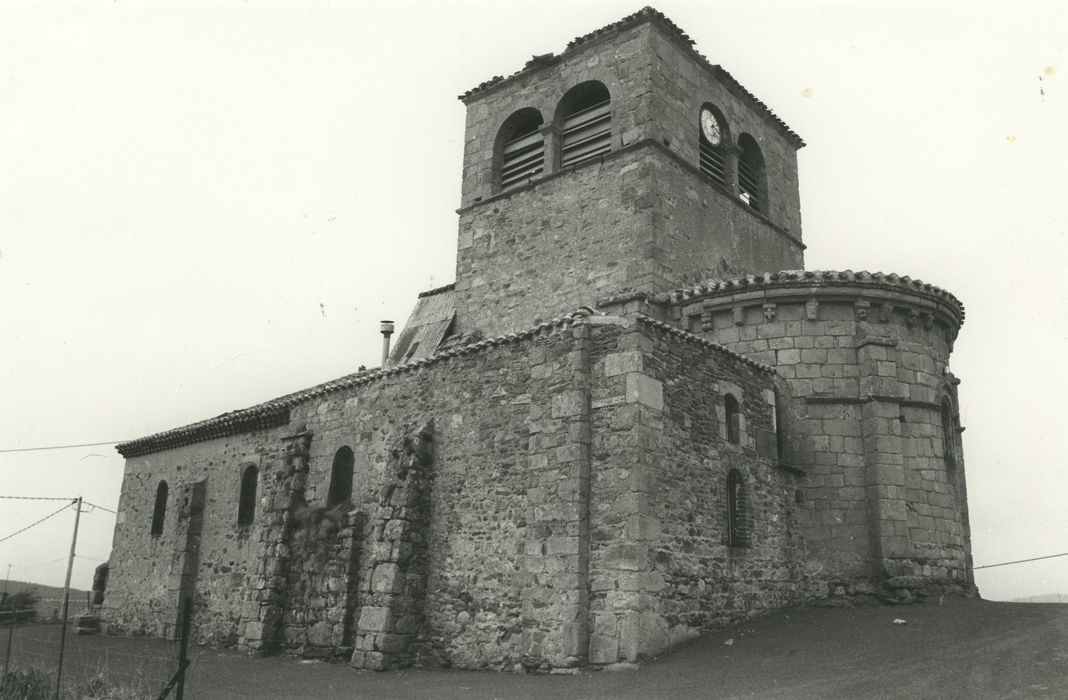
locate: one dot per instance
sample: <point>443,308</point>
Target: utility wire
<point>92,506</point>
<point>40,564</point>
<point>95,506</point>
<point>52,515</point>
<point>1021,561</point>
<point>60,447</point>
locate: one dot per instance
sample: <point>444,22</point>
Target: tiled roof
<point>276,412</point>
<point>648,14</point>
<point>674,330</point>
<point>815,278</point>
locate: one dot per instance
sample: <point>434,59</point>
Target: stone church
<point>632,417</point>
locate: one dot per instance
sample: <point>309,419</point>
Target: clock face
<point>710,127</point>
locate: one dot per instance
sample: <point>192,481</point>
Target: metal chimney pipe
<point>386,327</point>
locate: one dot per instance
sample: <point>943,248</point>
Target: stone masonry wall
<point>545,251</point>
<point>500,549</point>
<point>566,502</point>
<point>498,569</point>
<point>817,358</point>
<point>142,584</point>
<point>657,87</point>
<point>622,66</point>
<point>680,86</point>
<point>643,221</point>
<point>866,377</point>
<point>660,565</point>
<point>640,218</point>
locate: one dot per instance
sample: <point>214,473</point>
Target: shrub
<point>35,684</point>
<point>20,607</point>
<point>26,684</point>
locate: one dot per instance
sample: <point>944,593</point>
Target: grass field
<point>959,649</point>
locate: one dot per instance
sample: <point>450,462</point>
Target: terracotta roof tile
<point>817,278</point>
<point>647,14</point>
<point>674,330</point>
<point>275,412</point>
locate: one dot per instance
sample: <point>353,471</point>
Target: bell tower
<point>627,163</point>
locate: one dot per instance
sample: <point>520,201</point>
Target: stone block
<point>370,660</point>
<point>392,643</point>
<point>645,390</point>
<point>643,527</point>
<point>568,403</point>
<point>627,557</point>
<point>622,363</point>
<point>642,635</point>
<point>253,630</point>
<point>321,634</point>
<point>789,357</point>
<point>604,649</point>
<point>605,624</point>
<point>387,578</point>
<point>375,619</point>
<point>642,581</point>
<point>561,545</point>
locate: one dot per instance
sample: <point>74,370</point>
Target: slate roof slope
<point>426,326</point>
<point>646,14</point>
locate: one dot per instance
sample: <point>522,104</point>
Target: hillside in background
<point>50,598</point>
<point>1048,598</point>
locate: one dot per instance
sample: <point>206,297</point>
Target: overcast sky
<point>204,205</point>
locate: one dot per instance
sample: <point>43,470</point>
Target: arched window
<point>713,138</point>
<point>734,419</point>
<point>949,443</point>
<point>246,505</point>
<point>159,512</point>
<point>585,119</point>
<point>736,530</point>
<point>752,181</point>
<point>341,478</point>
<point>520,151</point>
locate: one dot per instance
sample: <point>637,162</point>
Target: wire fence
<point>93,664</point>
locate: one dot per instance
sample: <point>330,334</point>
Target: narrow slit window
<point>586,123</point>
<point>159,511</point>
<point>246,507</point>
<point>736,534</point>
<point>776,426</point>
<point>733,418</point>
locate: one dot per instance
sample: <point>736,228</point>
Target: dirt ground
<point>959,649</point>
